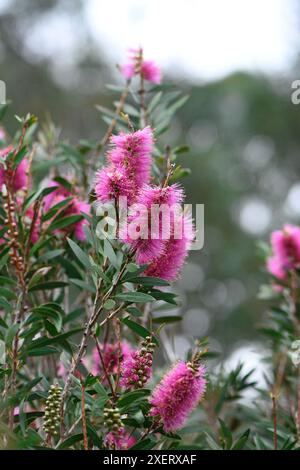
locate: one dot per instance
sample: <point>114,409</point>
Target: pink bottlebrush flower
<point>119,441</point>
<point>168,264</point>
<point>20,176</point>
<point>113,182</point>
<point>148,69</point>
<point>275,267</point>
<point>133,153</point>
<point>286,251</point>
<point>150,220</point>
<point>177,394</point>
<point>136,370</point>
<point>286,246</point>
<point>151,71</point>
<point>110,352</point>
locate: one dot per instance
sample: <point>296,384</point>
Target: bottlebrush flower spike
<point>148,69</point>
<point>137,369</point>
<point>110,353</point>
<point>132,152</point>
<point>177,394</point>
<point>169,263</point>
<point>19,175</point>
<point>286,251</point>
<point>119,441</point>
<point>130,166</point>
<point>147,231</point>
<point>112,182</point>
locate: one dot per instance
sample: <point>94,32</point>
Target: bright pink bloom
<point>74,207</point>
<point>148,69</point>
<point>133,153</point>
<point>150,220</point>
<point>110,353</point>
<point>177,394</point>
<point>286,251</point>
<point>136,370</point>
<point>20,178</point>
<point>113,182</point>
<point>286,246</point>
<point>119,441</point>
<point>169,263</point>
<point>130,166</point>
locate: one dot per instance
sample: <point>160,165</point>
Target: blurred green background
<point>241,126</point>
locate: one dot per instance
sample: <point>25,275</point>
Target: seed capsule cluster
<point>145,361</point>
<point>52,410</point>
<point>12,233</point>
<point>112,418</point>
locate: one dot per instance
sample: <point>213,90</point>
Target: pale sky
<point>203,38</point>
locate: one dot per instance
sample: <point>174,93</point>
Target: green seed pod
<point>52,410</point>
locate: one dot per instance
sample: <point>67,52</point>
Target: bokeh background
<point>237,60</point>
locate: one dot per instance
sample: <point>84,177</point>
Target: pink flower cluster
<point>20,174</point>
<point>74,207</point>
<point>119,441</point>
<point>129,165</point>
<point>177,394</point>
<point>286,251</point>
<point>163,245</point>
<point>138,66</point>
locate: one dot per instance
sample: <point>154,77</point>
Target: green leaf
<point>149,281</point>
<point>138,329</point>
<point>131,397</point>
<point>64,222</point>
<point>242,440</point>
<point>134,297</point>
<point>50,255</point>
<point>167,319</point>
<point>7,293</point>
<point>80,254</point>
<point>109,304</point>
<point>70,441</point>
<point>48,285</point>
<point>83,285</point>
<point>134,311</point>
<point>55,209</point>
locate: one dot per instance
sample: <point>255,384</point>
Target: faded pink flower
<point>286,251</point>
<point>20,176</point>
<point>110,352</point>
<point>119,441</point>
<point>169,263</point>
<point>177,395</point>
<point>148,69</point>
